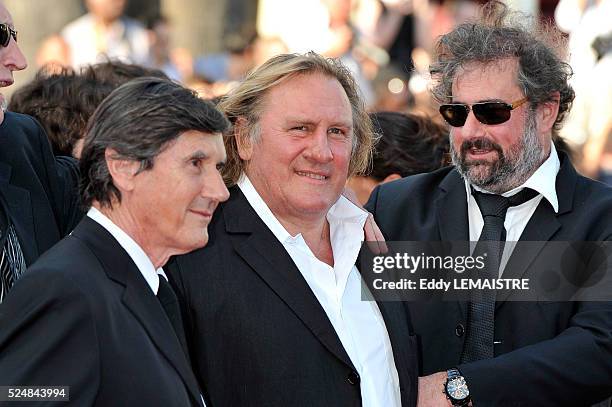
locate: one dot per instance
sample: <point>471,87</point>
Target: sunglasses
<point>456,114</point>
<point>6,33</point>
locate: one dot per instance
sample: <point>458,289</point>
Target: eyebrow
<point>479,101</point>
<point>201,155</point>
<point>295,120</point>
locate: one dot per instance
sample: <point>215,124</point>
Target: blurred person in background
<point>105,32</point>
<point>324,26</point>
<point>53,54</point>
<point>584,21</point>
<point>228,66</point>
<point>391,90</point>
<point>117,72</point>
<point>597,151</point>
<point>408,144</point>
<point>160,32</point>
<point>63,100</point>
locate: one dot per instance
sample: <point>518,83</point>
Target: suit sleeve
<point>370,206</point>
<point>574,368</point>
<point>48,337</point>
<point>62,174</point>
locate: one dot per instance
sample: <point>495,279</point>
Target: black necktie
<point>169,302</point>
<point>481,308</point>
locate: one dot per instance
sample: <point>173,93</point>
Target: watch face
<point>457,389</point>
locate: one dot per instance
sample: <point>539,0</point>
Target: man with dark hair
<point>38,197</point>
<point>408,144</point>
<point>504,93</point>
<point>104,320</point>
<point>284,299</point>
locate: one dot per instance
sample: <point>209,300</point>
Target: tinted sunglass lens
<point>492,113</point>
<point>455,115</point>
<point>5,35</point>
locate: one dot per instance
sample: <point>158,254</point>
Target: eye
<point>196,162</point>
<point>335,130</point>
<point>299,128</point>
<point>220,167</point>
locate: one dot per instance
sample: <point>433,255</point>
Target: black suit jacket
<point>551,354</point>
<point>259,336</point>
<point>83,316</point>
<point>38,192</point>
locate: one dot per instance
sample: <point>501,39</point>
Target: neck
<point>315,233</point>
<point>103,23</point>
<point>125,220</point>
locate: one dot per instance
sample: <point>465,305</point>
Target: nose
<point>12,57</point>
<point>214,188</point>
<point>472,127</point>
<point>319,149</point>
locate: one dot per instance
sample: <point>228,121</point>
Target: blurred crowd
<point>386,43</point>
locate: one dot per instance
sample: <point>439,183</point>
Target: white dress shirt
<point>138,256</point>
<point>358,324</point>
<point>543,181</point>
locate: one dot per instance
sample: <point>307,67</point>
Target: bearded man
<point>504,92</point>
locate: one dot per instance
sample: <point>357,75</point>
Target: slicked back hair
<point>139,120</point>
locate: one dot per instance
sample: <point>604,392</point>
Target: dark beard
<point>510,169</point>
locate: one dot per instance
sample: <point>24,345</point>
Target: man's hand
<point>373,235</point>
<point>431,391</point>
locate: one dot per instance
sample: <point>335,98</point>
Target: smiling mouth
<point>312,175</point>
<point>204,214</point>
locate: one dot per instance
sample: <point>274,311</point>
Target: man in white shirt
<point>504,92</point>
<point>277,291</point>
<point>96,314</point>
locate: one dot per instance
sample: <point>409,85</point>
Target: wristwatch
<point>456,388</point>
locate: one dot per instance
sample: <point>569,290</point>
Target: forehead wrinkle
<point>476,72</point>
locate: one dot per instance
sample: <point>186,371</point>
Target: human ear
<point>243,139</point>
<point>121,170</point>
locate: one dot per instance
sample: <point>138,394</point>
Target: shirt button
<point>353,378</point>
<point>459,330</point>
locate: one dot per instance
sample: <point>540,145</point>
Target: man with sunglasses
<point>504,92</point>
<point>38,196</point>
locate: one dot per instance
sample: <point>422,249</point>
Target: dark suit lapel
<point>20,214</point>
<point>269,259</point>
<point>452,215</point>
<point>542,226</point>
<point>451,209</point>
<point>138,298</point>
<point>395,316</point>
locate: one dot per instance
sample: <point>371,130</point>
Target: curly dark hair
<point>62,102</point>
<point>501,33</point>
<point>117,72</point>
<point>409,144</point>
